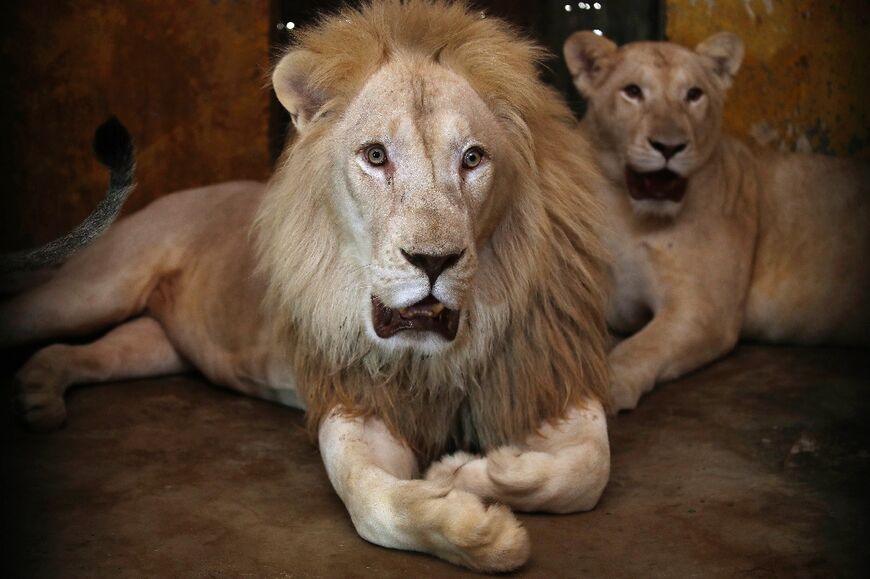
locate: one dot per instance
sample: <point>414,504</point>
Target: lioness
<point>422,274</point>
<point>712,240</point>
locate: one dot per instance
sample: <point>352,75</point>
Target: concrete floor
<point>753,467</point>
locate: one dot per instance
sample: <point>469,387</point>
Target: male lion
<point>713,240</point>
<point>422,275</point>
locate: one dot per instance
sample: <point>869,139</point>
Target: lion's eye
<point>694,94</point>
<point>376,155</point>
<point>633,92</point>
<point>472,158</point>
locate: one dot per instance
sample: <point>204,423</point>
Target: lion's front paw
<point>39,391</point>
<point>490,538</point>
<point>447,468</point>
<point>514,472</point>
<point>461,529</point>
<point>521,479</point>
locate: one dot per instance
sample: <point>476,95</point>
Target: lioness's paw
<point>628,382</point>
<point>623,398</point>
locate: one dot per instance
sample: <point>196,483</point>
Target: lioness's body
<point>810,283</point>
<point>794,279</point>
<point>760,245</point>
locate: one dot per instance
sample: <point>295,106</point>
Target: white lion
<point>422,275</point>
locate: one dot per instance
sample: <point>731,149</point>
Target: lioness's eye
<point>694,94</point>
<point>472,158</point>
<point>376,154</point>
<point>633,92</point>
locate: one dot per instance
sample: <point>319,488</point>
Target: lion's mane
<point>534,344</point>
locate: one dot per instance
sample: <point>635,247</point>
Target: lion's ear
<point>586,55</point>
<point>724,52</point>
<point>291,81</point>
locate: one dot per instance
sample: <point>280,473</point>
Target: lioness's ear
<point>585,54</point>
<point>291,81</point>
<point>725,53</point>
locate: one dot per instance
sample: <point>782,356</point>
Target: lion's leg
<point>676,341</point>
<point>136,349</point>
<point>371,471</point>
<point>103,285</point>
<point>561,469</point>
<point>74,302</point>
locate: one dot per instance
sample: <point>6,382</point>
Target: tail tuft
<point>113,145</point>
<point>114,148</point>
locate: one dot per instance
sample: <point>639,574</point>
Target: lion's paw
<point>457,526</point>
<point>447,468</point>
<point>39,393</point>
<point>513,471</point>
<point>484,538</point>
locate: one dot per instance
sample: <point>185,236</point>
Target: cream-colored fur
<point>268,289</point>
<point>763,246</point>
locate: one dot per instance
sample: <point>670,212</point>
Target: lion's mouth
<point>661,185</point>
<point>427,315</point>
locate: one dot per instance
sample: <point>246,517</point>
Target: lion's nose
<point>667,151</point>
<point>433,264</point>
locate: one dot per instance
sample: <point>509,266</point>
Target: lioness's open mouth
<point>661,185</point>
<point>427,315</point>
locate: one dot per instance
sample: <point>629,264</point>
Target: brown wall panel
<point>805,79</point>
<point>187,78</point>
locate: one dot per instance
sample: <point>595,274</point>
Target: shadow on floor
<point>753,467</point>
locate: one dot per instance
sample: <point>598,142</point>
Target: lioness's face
<point>419,154</point>
<point>656,107</point>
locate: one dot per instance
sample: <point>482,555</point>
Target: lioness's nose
<point>433,264</point>
<point>667,151</point>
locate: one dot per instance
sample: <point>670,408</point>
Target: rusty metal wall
<point>188,79</point>
<point>806,77</point>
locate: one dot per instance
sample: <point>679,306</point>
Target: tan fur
<point>537,301</point>
<point>267,289</point>
<point>764,245</point>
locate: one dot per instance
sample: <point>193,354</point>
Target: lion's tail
<point>114,149</point>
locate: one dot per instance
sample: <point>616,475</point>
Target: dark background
<point>547,21</point>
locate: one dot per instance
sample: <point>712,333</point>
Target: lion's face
<point>656,109</point>
<point>416,155</point>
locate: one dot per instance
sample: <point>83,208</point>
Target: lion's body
<point>491,386</point>
<point>186,261</point>
<point>204,288</point>
<point>763,245</point>
<point>276,290</point>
